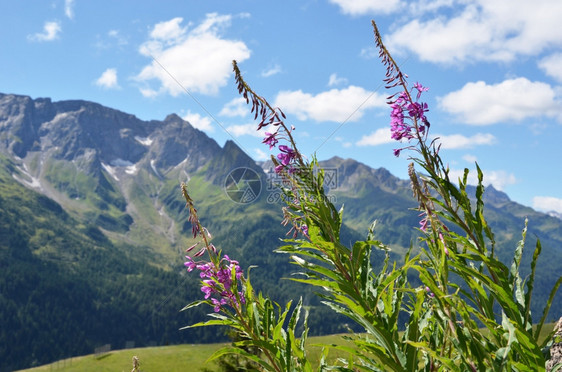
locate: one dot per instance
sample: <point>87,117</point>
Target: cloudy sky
<point>494,69</point>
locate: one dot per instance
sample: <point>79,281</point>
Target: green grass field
<point>176,358</point>
<point>164,358</point>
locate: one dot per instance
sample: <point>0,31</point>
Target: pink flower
<point>423,224</point>
<point>417,110</point>
<point>190,264</point>
<point>420,89</point>
<point>270,139</point>
<point>304,229</point>
<point>287,155</point>
<point>444,245</point>
<point>218,304</point>
<point>208,288</point>
<point>218,281</point>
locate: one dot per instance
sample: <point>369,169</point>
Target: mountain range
<point>94,227</point>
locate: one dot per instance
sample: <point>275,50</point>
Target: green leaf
<point>547,307</point>
<point>212,322</point>
<point>243,353</point>
<point>194,304</point>
<point>531,282</point>
<point>413,332</point>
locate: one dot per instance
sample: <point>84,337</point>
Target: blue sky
<point>494,69</point>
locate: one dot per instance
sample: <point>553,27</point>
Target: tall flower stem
<point>260,106</point>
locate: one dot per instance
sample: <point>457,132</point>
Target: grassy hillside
<point>174,358</point>
<point>180,358</point>
<point>177,358</point>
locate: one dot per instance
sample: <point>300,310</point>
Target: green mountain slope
<point>66,289</point>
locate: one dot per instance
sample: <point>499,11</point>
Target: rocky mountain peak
<point>69,129</point>
<point>175,140</point>
<point>356,176</point>
<point>173,118</point>
<point>495,196</point>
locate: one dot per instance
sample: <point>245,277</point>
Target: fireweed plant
<point>471,312</point>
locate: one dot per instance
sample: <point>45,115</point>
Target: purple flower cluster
<point>218,281</point>
<point>420,88</point>
<point>424,222</point>
<point>270,139</point>
<point>398,128</point>
<point>404,108</point>
<point>286,156</point>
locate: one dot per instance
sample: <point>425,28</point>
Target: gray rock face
<point>17,128</point>
<point>174,142</point>
<point>77,129</point>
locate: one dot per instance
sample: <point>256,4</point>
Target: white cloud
<point>245,130</point>
<point>271,71</point>
<point>148,93</point>
<point>360,7</point>
<point>445,41</point>
<point>378,137</point>
<point>337,105</point>
<point>511,100</point>
<point>552,66</point>
<point>458,141</point>
<point>547,203</point>
<point>200,60</point>
<point>261,155</point>
<point>482,30</point>
<point>168,31</point>
<point>108,79</point>
<point>369,52</point>
<point>236,107</point>
<point>51,31</point>
<point>470,158</point>
<point>425,6</point>
<point>499,179</point>
<point>200,122</point>
<point>116,35</point>
<point>113,38</point>
<point>69,8</point>
<point>344,143</point>
<point>335,80</point>
<point>454,141</point>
